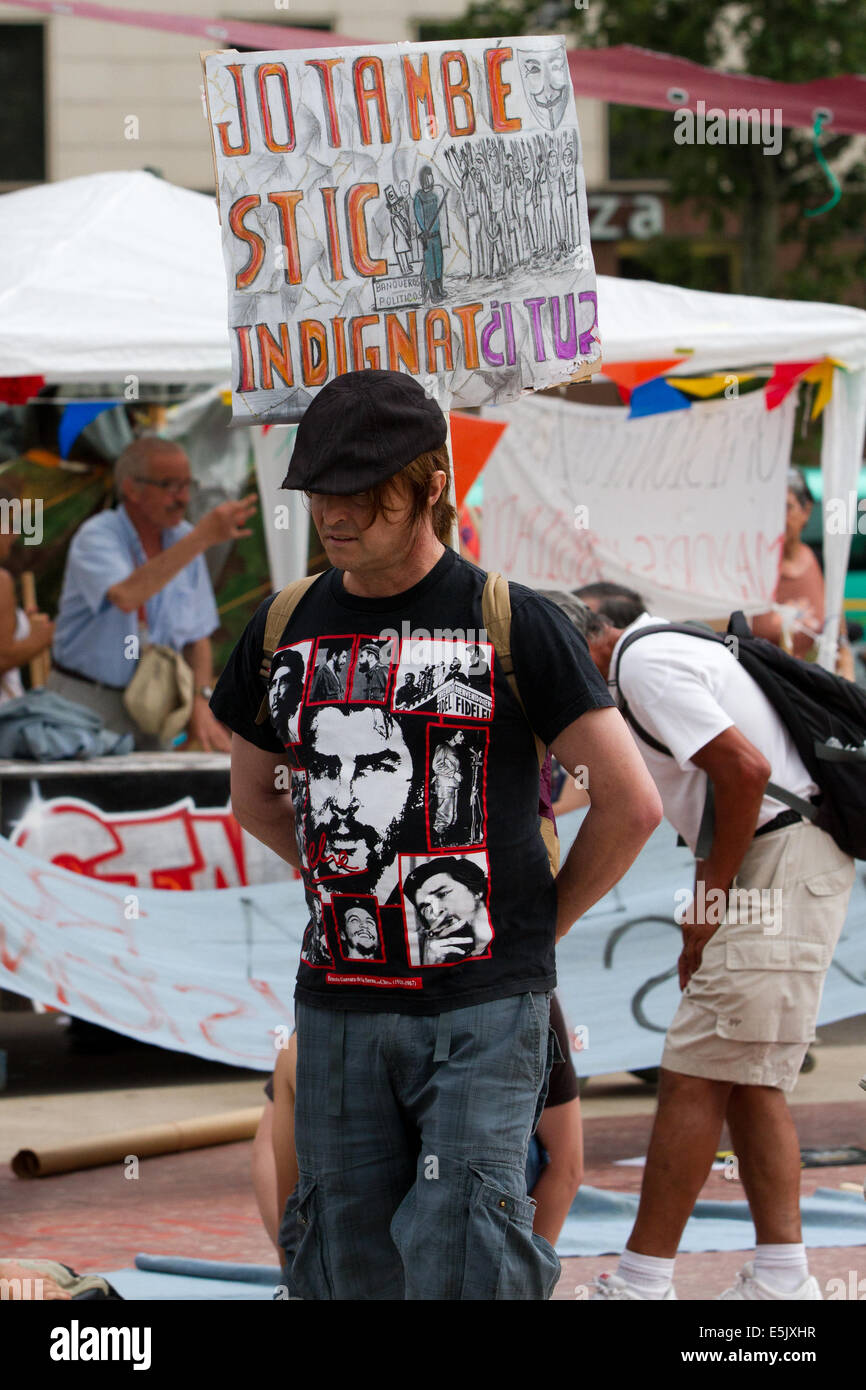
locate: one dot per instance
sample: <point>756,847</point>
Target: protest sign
<point>418,208</point>
<point>686,507</point>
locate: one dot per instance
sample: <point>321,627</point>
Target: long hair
<point>411,486</point>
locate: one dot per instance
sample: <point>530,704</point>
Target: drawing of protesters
<point>460,164</point>
<point>478,173</point>
<point>557,202</point>
<point>427,206</point>
<point>401,234</point>
<point>406,198</point>
<point>512,222</point>
<point>569,188</point>
<point>525,206</point>
<point>497,229</point>
<point>541,198</point>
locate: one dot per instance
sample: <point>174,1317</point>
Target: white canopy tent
<point>113,275</point>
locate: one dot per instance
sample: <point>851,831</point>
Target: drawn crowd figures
<point>519,199</point>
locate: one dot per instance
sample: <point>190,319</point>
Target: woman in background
<point>800,589</point>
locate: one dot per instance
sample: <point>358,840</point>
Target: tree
<point>768,195</point>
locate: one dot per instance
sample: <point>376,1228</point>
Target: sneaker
<point>612,1286</point>
<point>748,1287</point>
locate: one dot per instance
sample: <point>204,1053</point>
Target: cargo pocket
<point>503,1258</point>
<point>775,989</point>
<point>837,881</point>
<point>309,1277</point>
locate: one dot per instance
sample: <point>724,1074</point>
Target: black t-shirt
<point>416,815</point>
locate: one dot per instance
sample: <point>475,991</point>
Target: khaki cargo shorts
<point>748,1014</point>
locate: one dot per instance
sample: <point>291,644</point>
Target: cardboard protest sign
<point>418,207</point>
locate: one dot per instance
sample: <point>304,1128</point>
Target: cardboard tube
<point>169,1138</point>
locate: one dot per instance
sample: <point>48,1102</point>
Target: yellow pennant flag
<point>705,386</point>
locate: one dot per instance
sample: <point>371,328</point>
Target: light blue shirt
<point>92,635</point>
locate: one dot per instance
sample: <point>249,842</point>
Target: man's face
<point>354,543</point>
<point>545,82</point>
<point>359,776</point>
<point>367,659</point>
<point>279,686</point>
<point>445,905</point>
<point>361,932</point>
<point>161,506</point>
<point>426,179</point>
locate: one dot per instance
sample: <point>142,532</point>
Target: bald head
<point>138,458</point>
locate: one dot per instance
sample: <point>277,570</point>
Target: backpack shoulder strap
<point>496,615</point>
<point>279,613</point>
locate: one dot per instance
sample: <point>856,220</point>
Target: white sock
<point>781,1266</point>
<point>649,1274</point>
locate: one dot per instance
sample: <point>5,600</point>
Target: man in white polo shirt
<point>753,962</point>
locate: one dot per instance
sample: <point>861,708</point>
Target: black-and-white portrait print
<point>371,671</point>
<point>363,784</point>
<point>455,786</point>
<point>315,950</point>
<point>445,678</point>
<point>299,806</point>
<point>330,677</point>
<point>286,689</point>
<point>359,929</point>
<point>445,904</point>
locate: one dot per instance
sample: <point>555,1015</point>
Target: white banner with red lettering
<point>212,972</point>
<point>687,507</point>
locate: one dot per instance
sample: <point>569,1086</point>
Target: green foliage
<point>766,195</point>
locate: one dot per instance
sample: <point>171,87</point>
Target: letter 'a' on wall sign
<point>420,208</point>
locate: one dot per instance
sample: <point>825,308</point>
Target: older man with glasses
<point>138,573</point>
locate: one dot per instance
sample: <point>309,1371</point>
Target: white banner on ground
<point>416,207</point>
<point>212,973</point>
<point>687,507</point>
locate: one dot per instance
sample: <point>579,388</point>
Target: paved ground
<point>200,1203</point>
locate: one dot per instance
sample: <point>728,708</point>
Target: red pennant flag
<point>784,378</point>
<point>472,442</point>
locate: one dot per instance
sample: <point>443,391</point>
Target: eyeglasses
<point>170,484</point>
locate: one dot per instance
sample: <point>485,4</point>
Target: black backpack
<point>824,714</point>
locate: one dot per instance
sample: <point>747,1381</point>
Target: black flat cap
<point>361,429</point>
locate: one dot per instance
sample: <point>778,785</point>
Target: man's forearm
<point>607,844</point>
<point>153,575</point>
<point>736,816</point>
<point>199,657</point>
<point>274,827</point>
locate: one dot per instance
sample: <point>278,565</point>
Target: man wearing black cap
<point>419,1080</point>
